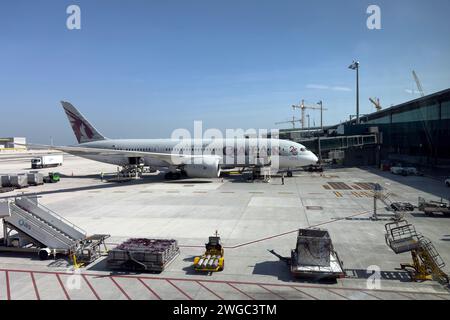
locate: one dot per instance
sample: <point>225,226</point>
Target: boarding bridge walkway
<point>338,143</point>
<point>40,224</point>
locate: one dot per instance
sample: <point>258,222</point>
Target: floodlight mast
<point>355,66</point>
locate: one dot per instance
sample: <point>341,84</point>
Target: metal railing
<point>40,225</point>
<point>339,142</point>
<point>57,216</point>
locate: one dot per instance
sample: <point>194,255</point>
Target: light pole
<point>355,66</point>
<point>320,103</point>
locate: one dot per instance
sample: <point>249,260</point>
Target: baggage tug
<point>213,259</point>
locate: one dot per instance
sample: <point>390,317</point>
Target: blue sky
<point>144,68</point>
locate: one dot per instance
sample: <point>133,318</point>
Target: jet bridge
<point>31,227</point>
<point>326,144</point>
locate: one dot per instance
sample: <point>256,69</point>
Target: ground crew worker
<point>101,176</point>
<point>282,179</point>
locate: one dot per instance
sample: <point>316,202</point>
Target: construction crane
<point>293,121</point>
<point>376,103</point>
<point>418,83</point>
<point>302,108</point>
<point>309,117</point>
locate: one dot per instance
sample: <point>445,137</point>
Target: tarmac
<point>251,219</point>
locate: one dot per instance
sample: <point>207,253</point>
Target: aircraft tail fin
<point>83,130</point>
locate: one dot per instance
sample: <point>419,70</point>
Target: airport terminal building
<point>417,131</point>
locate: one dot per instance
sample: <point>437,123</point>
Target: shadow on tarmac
<point>108,185</point>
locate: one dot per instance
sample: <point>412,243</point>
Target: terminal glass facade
<point>445,110</point>
<point>419,128</point>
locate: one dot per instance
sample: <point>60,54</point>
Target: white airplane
<point>183,157</point>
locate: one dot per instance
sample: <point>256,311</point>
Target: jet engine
<point>209,168</point>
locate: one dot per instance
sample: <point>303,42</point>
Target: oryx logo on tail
<point>83,130</point>
<point>78,125</point>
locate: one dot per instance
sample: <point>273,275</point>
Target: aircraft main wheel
<point>168,175</point>
<point>289,174</point>
<point>172,175</point>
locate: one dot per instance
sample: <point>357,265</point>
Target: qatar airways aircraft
<point>193,158</point>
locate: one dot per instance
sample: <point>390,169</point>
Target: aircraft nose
<point>313,158</point>
<point>316,160</point>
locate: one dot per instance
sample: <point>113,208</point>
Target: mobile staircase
<point>399,209</point>
<point>385,199</point>
<point>31,227</point>
<point>427,264</point>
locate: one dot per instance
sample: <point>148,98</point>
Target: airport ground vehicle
<point>402,206</point>
<point>47,161</point>
<point>314,168</point>
<point>314,256</point>
<point>427,264</point>
<point>30,227</point>
<point>405,171</point>
<point>213,259</point>
<point>432,207</point>
<point>52,177</point>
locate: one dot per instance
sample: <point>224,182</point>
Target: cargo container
<point>47,161</point>
<point>143,254</point>
<point>5,181</point>
<point>19,181</point>
<point>35,179</point>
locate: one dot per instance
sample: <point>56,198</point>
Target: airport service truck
<point>47,161</point>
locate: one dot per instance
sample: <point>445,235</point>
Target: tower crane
<point>376,103</point>
<point>302,108</point>
<point>418,83</point>
<point>293,121</point>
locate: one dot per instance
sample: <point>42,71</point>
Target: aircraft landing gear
<point>289,174</point>
<point>172,175</point>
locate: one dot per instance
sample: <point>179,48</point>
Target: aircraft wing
<point>171,159</point>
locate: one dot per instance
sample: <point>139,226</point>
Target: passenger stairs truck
<point>52,160</point>
<point>31,227</point>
